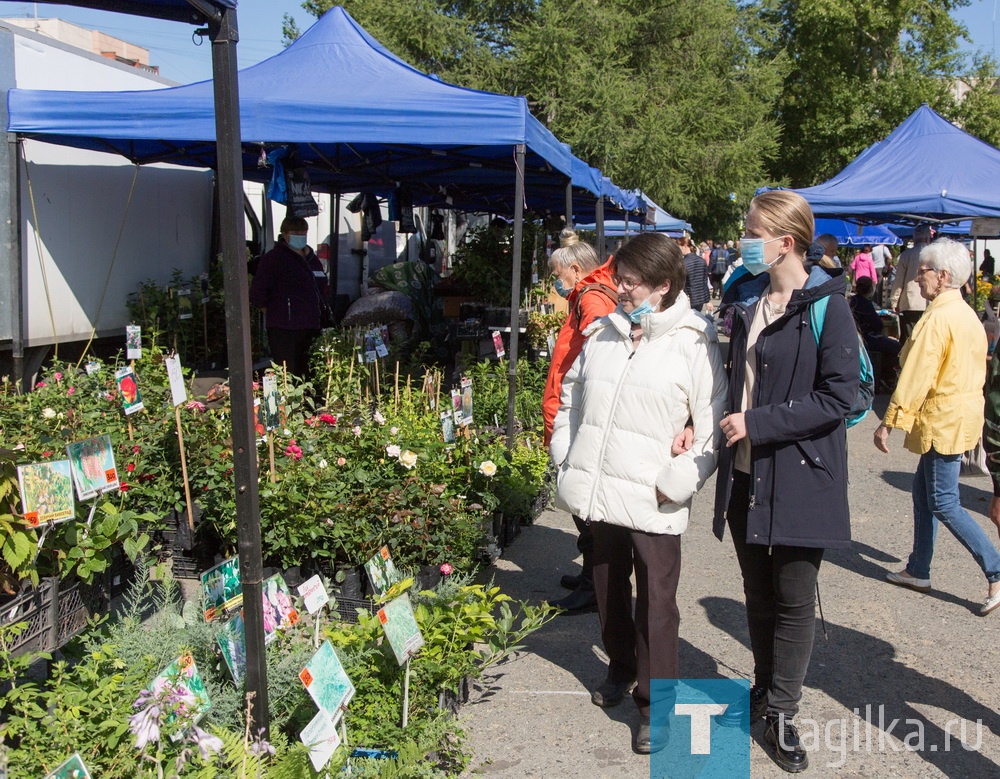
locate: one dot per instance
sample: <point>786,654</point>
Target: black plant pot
<point>428,577</point>
<point>351,586</point>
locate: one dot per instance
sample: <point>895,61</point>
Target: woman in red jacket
<point>586,284</point>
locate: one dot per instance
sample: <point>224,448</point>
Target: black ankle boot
<point>783,737</point>
<point>570,581</point>
<point>737,712</point>
<point>583,598</point>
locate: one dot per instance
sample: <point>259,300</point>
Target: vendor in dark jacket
<point>870,323</point>
<point>782,482</point>
<point>289,287</point>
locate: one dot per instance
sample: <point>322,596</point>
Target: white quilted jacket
<point>621,410</point>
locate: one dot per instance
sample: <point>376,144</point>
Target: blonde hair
<point>782,212</point>
<point>568,237</point>
<point>575,252</point>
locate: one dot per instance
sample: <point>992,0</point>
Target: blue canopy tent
<point>636,220</point>
<point>221,20</point>
<point>363,120</point>
<point>958,228</point>
<point>852,234</point>
<point>927,169</point>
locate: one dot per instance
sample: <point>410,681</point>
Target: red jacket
<point>569,343</point>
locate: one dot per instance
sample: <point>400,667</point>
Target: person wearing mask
<point>939,403</point>
<point>904,295</point>
<point>782,482</point>
<point>578,276</point>
<point>645,369</point>
<point>290,287</point>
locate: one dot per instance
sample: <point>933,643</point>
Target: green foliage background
<point>699,102</point>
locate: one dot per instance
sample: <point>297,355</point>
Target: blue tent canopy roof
<point>363,120</point>
<point>851,234</point>
<point>927,168</point>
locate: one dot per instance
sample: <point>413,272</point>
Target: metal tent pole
<point>334,256</point>
<point>515,289</point>
<point>224,35</point>
<point>601,253</point>
<point>569,203</point>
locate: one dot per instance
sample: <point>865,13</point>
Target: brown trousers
<point>642,647</point>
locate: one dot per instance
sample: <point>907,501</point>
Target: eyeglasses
<point>921,271</point>
<point>626,284</point>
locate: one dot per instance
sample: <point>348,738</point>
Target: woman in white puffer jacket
<point>646,370</point>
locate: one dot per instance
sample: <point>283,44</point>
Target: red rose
<point>130,467</point>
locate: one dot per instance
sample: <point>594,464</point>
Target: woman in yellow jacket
<point>939,403</point>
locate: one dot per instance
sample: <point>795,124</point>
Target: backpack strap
<point>817,315</point>
<point>597,286</point>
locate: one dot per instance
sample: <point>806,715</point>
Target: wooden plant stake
<point>270,454</point>
<point>184,471</point>
<point>406,691</point>
<point>378,389</point>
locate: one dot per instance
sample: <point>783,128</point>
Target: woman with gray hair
<point>939,403</point>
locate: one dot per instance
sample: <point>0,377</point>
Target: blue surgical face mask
<point>561,291</point>
<point>297,241</point>
<point>645,307</point>
<point>752,252</point>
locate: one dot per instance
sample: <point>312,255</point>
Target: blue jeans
<point>935,499</point>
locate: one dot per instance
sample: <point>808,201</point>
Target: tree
<point>857,69</point>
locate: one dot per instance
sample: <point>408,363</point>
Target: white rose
<point>488,468</point>
<point>393,450</point>
<point>49,413</point>
<point>322,463</point>
<point>407,458</point>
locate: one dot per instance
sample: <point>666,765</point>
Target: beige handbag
<point>974,461</point>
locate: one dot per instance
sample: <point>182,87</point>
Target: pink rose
<point>341,461</point>
<point>446,569</point>
<point>71,390</point>
<point>57,376</point>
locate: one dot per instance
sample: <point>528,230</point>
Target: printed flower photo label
<point>73,768</point>
<point>46,492</point>
<point>381,571</point>
<point>327,682</point>
<point>133,342</point>
<point>128,386</point>
<point>92,463</point>
<point>400,626</point>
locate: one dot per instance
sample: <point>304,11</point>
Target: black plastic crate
<point>347,608</point>
<point>54,612</point>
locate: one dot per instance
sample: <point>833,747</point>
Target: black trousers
<point>779,583</point>
<point>291,347</point>
<point>642,647</point>
<point>907,321</point>
<point>585,546</point>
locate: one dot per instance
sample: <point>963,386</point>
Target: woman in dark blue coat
<point>782,484</point>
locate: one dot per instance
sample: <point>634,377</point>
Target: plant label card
<point>46,492</point>
<point>233,645</point>
<point>92,463</point>
<point>178,392</point>
<point>401,628</point>
<point>456,406</point>
<point>222,588</point>
<point>498,344</point>
<point>381,571</point>
<point>184,308</point>
<point>379,337</point>
<point>314,594</point>
<point>203,280</point>
<point>322,738</point>
<point>129,388</point>
<point>92,367</point>
<point>269,389</point>
<point>448,427</point>
<point>73,768</point>
<point>181,681</point>
<point>327,682</point>
<point>279,613</point>
<point>133,342</point>
<point>466,402</point>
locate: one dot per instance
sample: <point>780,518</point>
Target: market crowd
<point>641,409</point>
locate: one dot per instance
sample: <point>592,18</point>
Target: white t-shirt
<point>880,254</point>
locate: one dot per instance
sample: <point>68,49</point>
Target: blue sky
<point>179,59</point>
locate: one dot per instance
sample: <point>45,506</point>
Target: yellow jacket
<point>939,398</point>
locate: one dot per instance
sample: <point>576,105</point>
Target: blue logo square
<point>699,747</point>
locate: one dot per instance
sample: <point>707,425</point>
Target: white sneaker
<point>992,603</point>
<point>904,579</point>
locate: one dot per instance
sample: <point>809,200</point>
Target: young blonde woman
<point>782,485</point>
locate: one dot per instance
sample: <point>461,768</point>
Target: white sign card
<point>178,392</point>
<point>133,342</point>
<point>322,738</point>
<point>314,594</point>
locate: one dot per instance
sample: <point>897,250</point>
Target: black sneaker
<point>783,737</point>
<point>736,714</point>
<point>570,581</point>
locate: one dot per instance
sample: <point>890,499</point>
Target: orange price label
<point>382,617</point>
<point>385,552</point>
<point>31,518</point>
<point>306,677</point>
<point>110,475</point>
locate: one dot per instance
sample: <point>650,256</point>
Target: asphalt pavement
<point>927,662</point>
